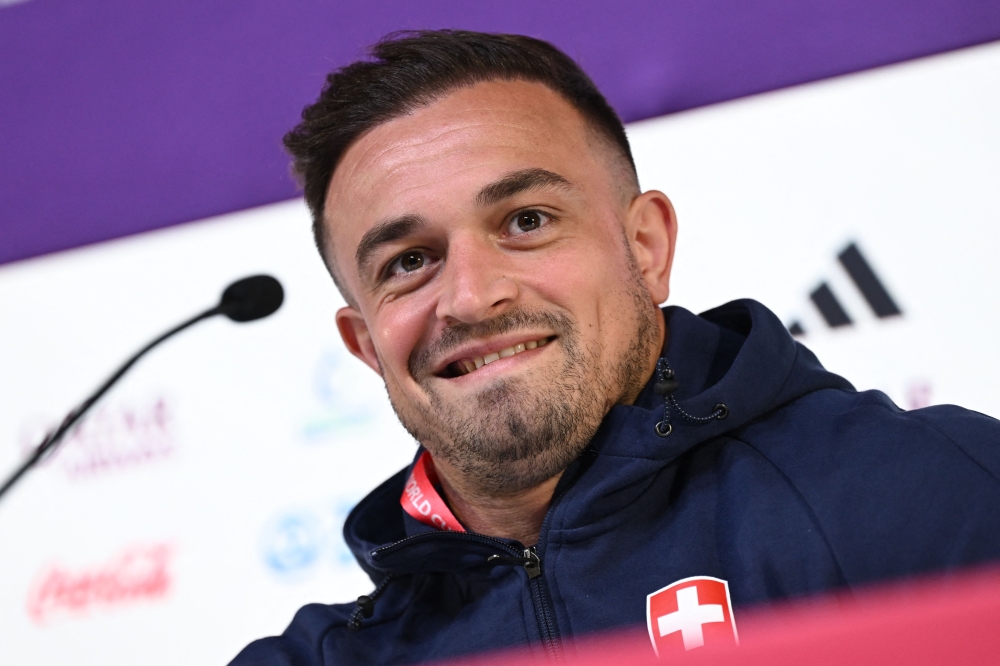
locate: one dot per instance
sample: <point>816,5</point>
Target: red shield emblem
<point>689,614</point>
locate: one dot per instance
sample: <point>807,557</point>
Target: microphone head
<point>251,298</point>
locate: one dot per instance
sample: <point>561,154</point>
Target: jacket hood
<point>739,355</point>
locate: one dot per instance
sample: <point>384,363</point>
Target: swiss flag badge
<point>689,614</point>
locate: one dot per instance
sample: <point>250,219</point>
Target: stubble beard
<point>517,433</point>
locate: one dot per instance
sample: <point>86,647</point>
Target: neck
<point>518,516</point>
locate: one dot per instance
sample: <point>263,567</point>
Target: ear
<point>357,337</point>
<point>651,226</point>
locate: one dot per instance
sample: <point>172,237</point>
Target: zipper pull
<point>532,563</point>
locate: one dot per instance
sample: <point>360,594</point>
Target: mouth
<point>470,364</point>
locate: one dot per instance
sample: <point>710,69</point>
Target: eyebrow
<point>517,182</point>
<point>382,234</point>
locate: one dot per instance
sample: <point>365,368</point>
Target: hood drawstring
<point>366,604</point>
<point>665,386</point>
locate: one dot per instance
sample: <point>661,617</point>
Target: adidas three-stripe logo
<point>868,284</point>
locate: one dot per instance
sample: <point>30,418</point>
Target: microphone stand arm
<point>52,440</point>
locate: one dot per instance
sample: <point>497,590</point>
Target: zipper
<point>543,605</point>
<point>540,599</point>
<point>527,558</point>
<point>544,612</point>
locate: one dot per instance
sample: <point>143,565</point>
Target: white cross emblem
<point>689,617</point>
<point>691,613</point>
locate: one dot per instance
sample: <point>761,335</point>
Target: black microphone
<point>251,298</point>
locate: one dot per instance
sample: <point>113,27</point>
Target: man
<point>475,201</point>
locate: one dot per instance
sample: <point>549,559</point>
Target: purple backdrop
<point>118,117</point>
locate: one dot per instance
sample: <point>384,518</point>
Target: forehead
<point>438,156</point>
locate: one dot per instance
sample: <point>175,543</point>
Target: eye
<point>409,261</point>
<point>525,221</point>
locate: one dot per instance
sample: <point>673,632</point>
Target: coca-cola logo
<point>112,436</point>
<point>139,572</point>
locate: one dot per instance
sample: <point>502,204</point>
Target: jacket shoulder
<point>895,492</point>
<point>840,427</point>
<point>977,435</point>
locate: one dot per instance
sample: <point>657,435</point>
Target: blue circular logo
<point>292,541</point>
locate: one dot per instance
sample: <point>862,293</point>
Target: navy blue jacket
<point>807,485</point>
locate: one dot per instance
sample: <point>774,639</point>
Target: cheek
<point>593,284</point>
<point>583,277</point>
<point>401,327</point>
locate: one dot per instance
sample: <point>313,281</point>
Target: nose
<point>475,284</point>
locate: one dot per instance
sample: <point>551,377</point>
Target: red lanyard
<point>422,501</point>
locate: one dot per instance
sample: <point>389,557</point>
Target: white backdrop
<point>201,505</point>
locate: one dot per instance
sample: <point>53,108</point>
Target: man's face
<point>486,239</point>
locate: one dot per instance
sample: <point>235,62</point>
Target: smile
<point>464,366</point>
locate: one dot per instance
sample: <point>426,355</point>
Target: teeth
<point>467,365</point>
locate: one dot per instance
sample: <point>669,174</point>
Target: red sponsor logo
<point>112,436</point>
<point>689,614</point>
<point>139,572</point>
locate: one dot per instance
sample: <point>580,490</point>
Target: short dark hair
<point>413,68</point>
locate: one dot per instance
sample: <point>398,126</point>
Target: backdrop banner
<point>118,117</point>
<point>201,503</point>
